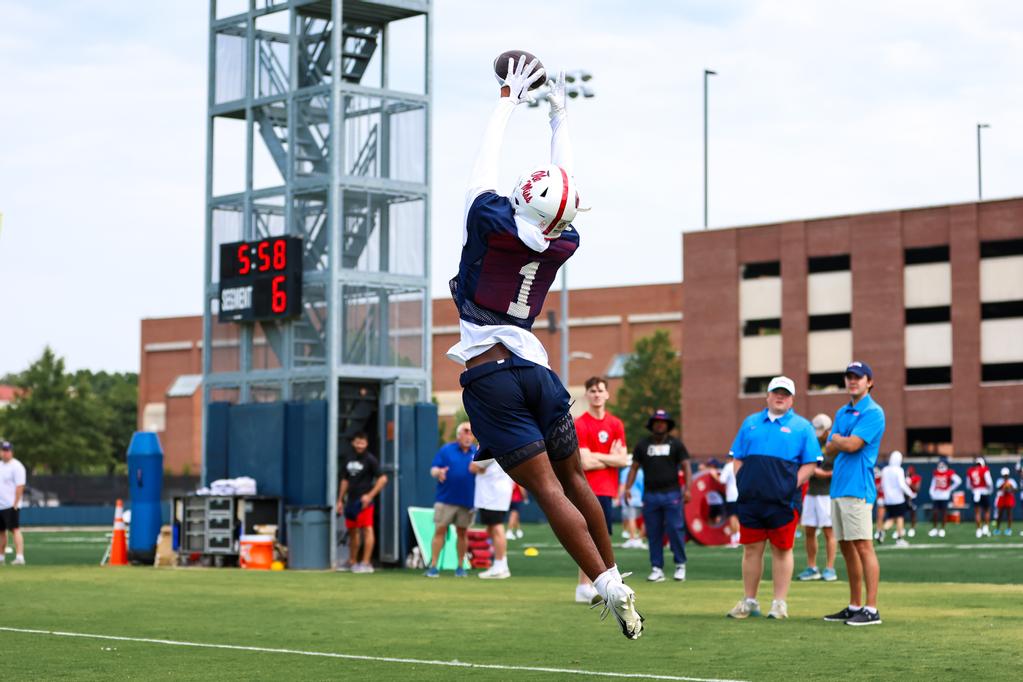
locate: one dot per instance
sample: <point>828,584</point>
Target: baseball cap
<point>1005,471</point>
<point>782,382</point>
<point>5,445</point>
<point>860,369</point>
<point>821,423</point>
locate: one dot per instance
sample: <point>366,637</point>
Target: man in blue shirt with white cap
<point>855,439</point>
<point>776,452</point>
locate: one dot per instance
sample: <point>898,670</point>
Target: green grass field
<point>950,609</point>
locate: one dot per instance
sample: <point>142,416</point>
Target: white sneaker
<point>933,532</point>
<point>744,609</point>
<point>911,532</point>
<point>509,535</point>
<point>587,594</point>
<point>656,575</point>
<point>680,572</point>
<point>625,535</point>
<point>621,601</point>
<point>779,610</point>
<point>628,544</point>
<point>901,543</point>
<point>362,568</point>
<point>495,573</point>
<point>941,533</point>
<point>987,531</point>
<point>979,532</point>
<point>518,534</point>
<point>18,561</point>
<point>8,550</point>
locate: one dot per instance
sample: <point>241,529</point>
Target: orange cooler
<point>256,551</point>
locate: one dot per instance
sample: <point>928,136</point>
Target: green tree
<point>653,380</point>
<point>118,394</point>
<point>55,424</point>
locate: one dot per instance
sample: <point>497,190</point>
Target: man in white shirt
<point>896,492</point>
<point>12,487</point>
<point>727,478</point>
<point>492,499</point>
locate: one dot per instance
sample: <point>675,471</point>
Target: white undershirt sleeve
<point>485,169</point>
<point>561,145</point>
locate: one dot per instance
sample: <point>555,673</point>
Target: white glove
<point>556,96</point>
<point>519,79</point>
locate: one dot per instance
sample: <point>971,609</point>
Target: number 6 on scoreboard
<point>520,307</point>
<point>278,296</point>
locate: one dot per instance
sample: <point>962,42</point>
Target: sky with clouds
<point>818,109</point>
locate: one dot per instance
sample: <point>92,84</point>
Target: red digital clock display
<point>261,279</point>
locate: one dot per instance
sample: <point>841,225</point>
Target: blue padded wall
<point>255,445</point>
<point>306,453</point>
<point>216,441</point>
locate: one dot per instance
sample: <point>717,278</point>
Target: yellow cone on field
<point>531,551</point>
<point>277,566</point>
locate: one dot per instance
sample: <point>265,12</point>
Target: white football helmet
<point>546,197</point>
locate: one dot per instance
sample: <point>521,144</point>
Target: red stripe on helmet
<point>564,200</point>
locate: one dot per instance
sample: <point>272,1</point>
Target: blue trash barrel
<point>145,481</point>
<point>308,537</point>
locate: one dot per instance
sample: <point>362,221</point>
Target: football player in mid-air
<point>512,248</point>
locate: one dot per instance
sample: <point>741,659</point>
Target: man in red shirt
<point>603,452</point>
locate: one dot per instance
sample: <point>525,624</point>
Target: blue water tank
<point>145,480</point>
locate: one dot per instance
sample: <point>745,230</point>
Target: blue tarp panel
<point>306,454</point>
<point>255,445</point>
<point>216,442</point>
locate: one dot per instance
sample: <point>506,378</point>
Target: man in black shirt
<point>361,482</point>
<point>662,456</point>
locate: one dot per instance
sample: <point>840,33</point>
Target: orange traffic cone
<point>118,546</point>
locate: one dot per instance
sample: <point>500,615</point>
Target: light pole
<point>577,84</point>
<point>980,184</point>
<point>706,74</point>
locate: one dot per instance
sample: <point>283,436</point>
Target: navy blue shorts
<point>515,407</point>
<point>764,514</point>
<point>941,505</point>
<point>731,508</point>
<point>983,502</point>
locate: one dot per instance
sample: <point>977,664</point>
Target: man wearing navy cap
<point>12,487</point>
<point>661,456</point>
<point>776,452</point>
<point>855,439</point>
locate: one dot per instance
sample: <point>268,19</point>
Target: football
<point>501,64</point>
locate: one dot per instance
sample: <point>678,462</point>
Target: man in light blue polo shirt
<point>775,453</point>
<point>855,439</point>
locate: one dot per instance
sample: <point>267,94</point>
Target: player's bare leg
<point>752,567</point>
<point>570,474</point>
<point>810,535</point>
<point>871,569</point>
<point>781,572</point>
<point>537,476</point>
<point>854,568</point>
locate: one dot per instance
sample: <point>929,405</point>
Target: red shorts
<point>363,520</point>
<point>1006,502</point>
<point>782,537</point>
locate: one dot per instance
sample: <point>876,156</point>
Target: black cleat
<point>864,617</point>
<point>842,616</point>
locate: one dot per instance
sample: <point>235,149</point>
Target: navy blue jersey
<point>501,280</point>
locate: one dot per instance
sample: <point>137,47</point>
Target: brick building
<point>931,298</point>
<point>604,324</point>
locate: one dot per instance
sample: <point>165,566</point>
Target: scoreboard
<point>261,280</point>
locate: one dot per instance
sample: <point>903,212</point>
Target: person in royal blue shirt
<point>776,452</point>
<point>456,488</point>
<point>855,440</point>
<point>512,248</point>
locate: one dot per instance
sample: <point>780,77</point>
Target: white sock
<point>854,608</point>
<point>870,609</point>
<point>752,601</point>
<point>501,564</point>
<point>20,557</point>
<point>608,577</point>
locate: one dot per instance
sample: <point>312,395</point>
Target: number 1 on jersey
<point>520,307</point>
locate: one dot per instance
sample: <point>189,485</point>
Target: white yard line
<point>356,657</point>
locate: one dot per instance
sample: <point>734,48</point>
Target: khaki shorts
<point>446,514</point>
<point>852,518</point>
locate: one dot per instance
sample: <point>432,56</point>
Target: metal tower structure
<point>318,127</point>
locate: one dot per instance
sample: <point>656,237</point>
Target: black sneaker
<point>864,617</point>
<point>842,616</point>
